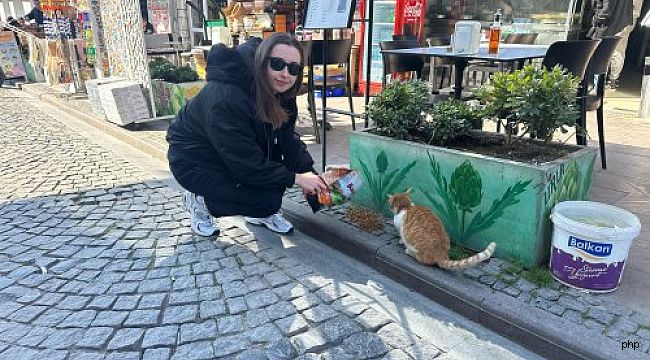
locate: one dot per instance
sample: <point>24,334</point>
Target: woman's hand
<point>310,183</point>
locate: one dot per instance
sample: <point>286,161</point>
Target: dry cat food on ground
<point>366,219</point>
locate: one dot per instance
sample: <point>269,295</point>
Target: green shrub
<point>399,108</point>
<point>450,119</point>
<point>161,68</point>
<point>185,74</point>
<point>537,101</point>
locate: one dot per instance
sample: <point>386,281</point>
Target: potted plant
<point>484,186</point>
<point>172,85</point>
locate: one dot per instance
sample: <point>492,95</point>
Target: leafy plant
<point>384,183</point>
<point>399,108</point>
<point>461,196</point>
<point>186,74</point>
<point>161,68</point>
<point>450,119</point>
<point>539,101</point>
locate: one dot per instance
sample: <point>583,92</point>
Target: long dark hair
<point>268,105</point>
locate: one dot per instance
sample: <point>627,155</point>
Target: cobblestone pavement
<point>613,320</point>
<point>97,262</point>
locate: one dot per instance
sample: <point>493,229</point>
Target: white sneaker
<point>202,223</point>
<point>274,222</point>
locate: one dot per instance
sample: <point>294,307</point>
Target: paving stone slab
<point>365,345</point>
<point>292,325</point>
<point>160,336</point>
<point>229,345</point>
<point>126,339</point>
<point>157,354</point>
<point>95,338</point>
<point>201,331</point>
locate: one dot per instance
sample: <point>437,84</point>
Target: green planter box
<point>170,97</point>
<point>479,198</point>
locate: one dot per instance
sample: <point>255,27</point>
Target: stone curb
<point>549,336</point>
<point>533,328</point>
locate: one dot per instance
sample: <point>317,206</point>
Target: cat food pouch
<point>342,182</point>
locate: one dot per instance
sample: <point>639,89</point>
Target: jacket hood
<point>233,65</point>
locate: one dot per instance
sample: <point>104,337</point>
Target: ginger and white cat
<point>424,235</point>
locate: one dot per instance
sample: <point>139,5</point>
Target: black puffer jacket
<point>217,130</point>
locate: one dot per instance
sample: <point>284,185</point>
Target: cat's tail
<point>468,261</point>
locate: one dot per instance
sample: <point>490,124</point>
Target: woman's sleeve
<point>296,155</point>
<point>230,132</point>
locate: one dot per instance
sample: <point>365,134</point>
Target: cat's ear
<point>409,190</point>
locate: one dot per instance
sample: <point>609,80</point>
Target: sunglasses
<point>278,64</point>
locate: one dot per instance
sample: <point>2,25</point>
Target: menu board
<point>11,60</point>
<point>329,14</point>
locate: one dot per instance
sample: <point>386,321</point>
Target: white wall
<point>13,8</point>
<point>27,6</point>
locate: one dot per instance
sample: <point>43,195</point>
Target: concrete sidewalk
<point>620,316</point>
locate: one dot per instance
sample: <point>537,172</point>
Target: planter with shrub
<point>484,186</point>
<point>172,85</point>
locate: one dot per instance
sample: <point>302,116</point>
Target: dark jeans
<point>225,197</point>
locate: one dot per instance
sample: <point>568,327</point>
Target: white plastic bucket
<point>590,244</point>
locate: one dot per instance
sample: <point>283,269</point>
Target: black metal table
<point>507,53</point>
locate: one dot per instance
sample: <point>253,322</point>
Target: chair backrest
<point>439,40</point>
<point>527,39</point>
<point>338,51</point>
<point>573,55</point>
<point>400,63</point>
<point>599,63</point>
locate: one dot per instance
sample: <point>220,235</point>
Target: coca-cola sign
<point>413,11</point>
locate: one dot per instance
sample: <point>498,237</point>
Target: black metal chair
<point>445,65</point>
<point>338,53</point>
<point>528,38</point>
<point>400,63</point>
<point>574,56</point>
<point>404,37</point>
<point>486,68</point>
<point>595,92</point>
<point>523,39</point>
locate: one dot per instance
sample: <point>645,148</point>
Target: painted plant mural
<point>381,183</point>
<point>457,200</point>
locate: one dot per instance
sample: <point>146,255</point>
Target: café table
<point>507,53</point>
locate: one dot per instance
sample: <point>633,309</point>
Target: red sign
<point>413,11</point>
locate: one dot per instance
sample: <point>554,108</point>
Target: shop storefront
<point>552,20</point>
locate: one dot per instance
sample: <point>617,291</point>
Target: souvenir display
<point>11,61</point>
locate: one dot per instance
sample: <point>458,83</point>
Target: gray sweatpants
<point>618,57</point>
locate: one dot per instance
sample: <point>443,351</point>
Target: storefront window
<point>548,18</point>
